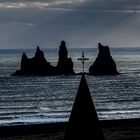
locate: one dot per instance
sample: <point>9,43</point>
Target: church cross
<point>83,59</point>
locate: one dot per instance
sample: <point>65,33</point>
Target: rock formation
<point>38,65</point>
<point>104,63</point>
<point>83,122</point>
<point>65,64</point>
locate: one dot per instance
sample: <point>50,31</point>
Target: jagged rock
<point>65,64</point>
<point>104,63</point>
<point>38,65</point>
<point>83,122</point>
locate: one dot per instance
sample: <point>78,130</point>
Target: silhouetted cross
<point>83,59</point>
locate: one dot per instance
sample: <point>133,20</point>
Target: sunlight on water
<point>50,99</point>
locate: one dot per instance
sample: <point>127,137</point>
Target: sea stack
<point>36,65</point>
<point>104,63</point>
<point>65,64</point>
<point>83,122</point>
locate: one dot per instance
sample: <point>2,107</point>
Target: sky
<point>81,23</point>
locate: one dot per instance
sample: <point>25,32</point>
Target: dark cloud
<point>83,23</point>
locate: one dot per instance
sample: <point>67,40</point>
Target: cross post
<point>83,59</point>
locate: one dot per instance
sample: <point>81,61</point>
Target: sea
<point>47,99</point>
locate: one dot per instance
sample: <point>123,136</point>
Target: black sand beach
<point>125,129</point>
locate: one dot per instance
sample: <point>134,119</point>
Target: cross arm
<point>86,58</point>
<point>80,59</point>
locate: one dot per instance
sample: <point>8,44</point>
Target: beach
<point>125,129</point>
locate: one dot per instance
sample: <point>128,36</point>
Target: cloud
<point>111,5</point>
<point>38,4</point>
<point>81,5</point>
<point>24,5</point>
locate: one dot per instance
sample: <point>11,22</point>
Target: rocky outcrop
<point>104,63</point>
<point>38,65</point>
<point>65,64</point>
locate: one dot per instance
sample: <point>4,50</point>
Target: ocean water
<point>25,100</point>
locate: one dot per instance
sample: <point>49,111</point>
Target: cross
<point>83,59</point>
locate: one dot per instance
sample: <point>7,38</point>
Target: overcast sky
<point>82,23</point>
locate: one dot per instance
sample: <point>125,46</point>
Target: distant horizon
<point>34,48</point>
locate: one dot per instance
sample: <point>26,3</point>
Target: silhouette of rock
<point>65,64</point>
<point>83,122</point>
<point>38,65</point>
<point>104,63</point>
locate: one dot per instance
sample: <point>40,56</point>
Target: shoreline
<point>125,129</point>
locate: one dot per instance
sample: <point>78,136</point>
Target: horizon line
<point>67,48</point>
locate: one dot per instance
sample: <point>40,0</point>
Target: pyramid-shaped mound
<point>83,122</point>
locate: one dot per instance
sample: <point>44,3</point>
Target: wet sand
<point>126,129</point>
